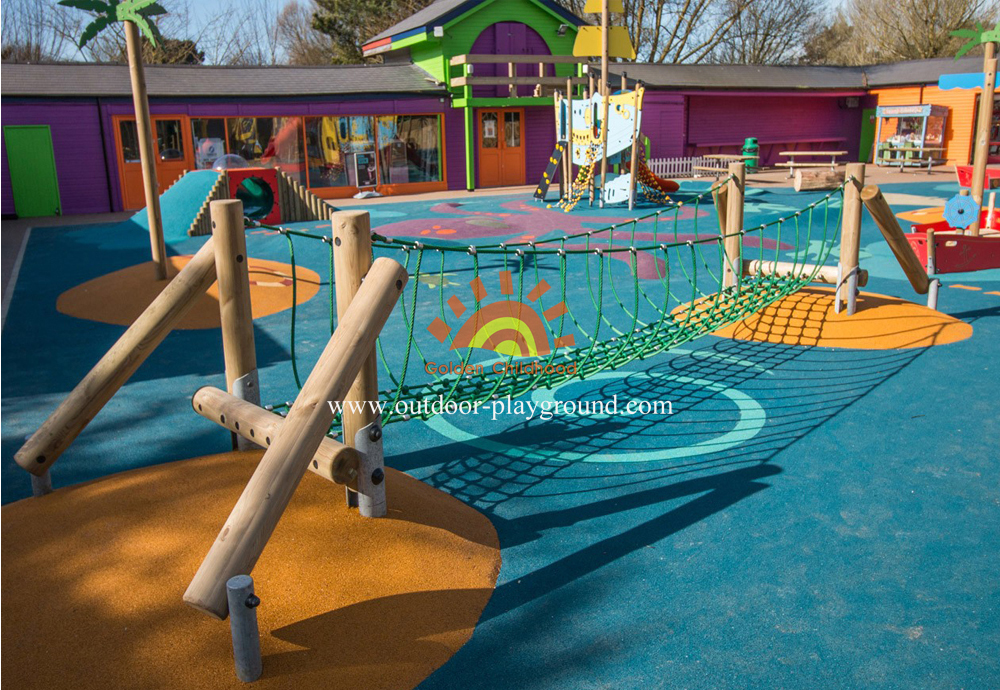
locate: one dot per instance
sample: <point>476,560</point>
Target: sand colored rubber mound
<point>93,577</point>
<point>807,317</point>
<point>119,297</point>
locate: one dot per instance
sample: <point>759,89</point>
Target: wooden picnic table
<point>908,155</point>
<point>792,164</point>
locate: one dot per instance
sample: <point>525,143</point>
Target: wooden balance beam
<point>253,519</point>
<point>881,212</point>
<point>826,275</point>
<point>333,461</point>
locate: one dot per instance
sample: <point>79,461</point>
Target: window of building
<point>170,140</point>
<point>209,137</point>
<point>130,141</point>
<point>409,148</point>
<point>270,142</point>
<point>341,151</point>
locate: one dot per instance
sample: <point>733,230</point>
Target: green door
<point>32,166</point>
<point>867,135</point>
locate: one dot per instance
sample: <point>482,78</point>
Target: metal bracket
<point>371,472</point>
<point>243,605</point>
<point>246,387</point>
<point>41,484</point>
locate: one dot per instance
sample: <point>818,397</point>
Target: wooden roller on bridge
<point>333,460</point>
<point>784,269</point>
<point>253,519</point>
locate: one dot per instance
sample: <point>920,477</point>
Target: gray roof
<point>920,71</point>
<point>782,77</point>
<point>421,18</point>
<point>742,76</point>
<point>88,79</point>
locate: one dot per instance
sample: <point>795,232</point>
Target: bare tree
<point>877,31</point>
<point>768,32</point>
<point>676,31</point>
<point>249,34</point>
<point>37,31</point>
<point>302,44</point>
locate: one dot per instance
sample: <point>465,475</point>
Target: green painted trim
<point>410,40</point>
<point>501,102</point>
<point>470,158</point>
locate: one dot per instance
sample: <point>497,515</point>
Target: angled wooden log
<point>881,212</point>
<point>119,363</point>
<point>250,525</point>
<point>333,460</point>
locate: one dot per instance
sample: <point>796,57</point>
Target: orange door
<point>172,153</point>
<point>501,147</point>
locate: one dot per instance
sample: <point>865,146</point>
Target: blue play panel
<point>807,518</point>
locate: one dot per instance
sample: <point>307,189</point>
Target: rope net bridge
<point>577,304</point>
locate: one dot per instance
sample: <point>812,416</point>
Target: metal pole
<point>41,484</point>
<point>371,471</point>
<point>243,605</point>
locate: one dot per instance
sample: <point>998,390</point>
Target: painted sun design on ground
<point>506,326</point>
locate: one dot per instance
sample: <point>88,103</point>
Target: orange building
<point>916,83</point>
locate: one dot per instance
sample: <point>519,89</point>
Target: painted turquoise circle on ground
<point>751,421</point>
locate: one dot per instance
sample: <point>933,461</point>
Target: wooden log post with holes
<point>634,162</point>
<point>252,521</point>
<point>984,124</point>
<point>333,461</point>
<point>886,221</point>
<point>733,237</point>
<point>850,240</point>
<point>720,195</point>
<point>147,156</point>
<point>235,311</point>
<point>814,180</point>
<point>352,256</point>
<point>119,363</point>
<point>605,93</point>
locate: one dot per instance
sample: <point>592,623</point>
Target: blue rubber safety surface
<point>808,518</point>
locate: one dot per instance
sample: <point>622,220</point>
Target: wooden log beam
<point>250,525</point>
<point>333,461</point>
<point>732,240</point>
<point>457,82</point>
<point>809,180</point>
<point>886,221</point>
<point>119,363</point>
<point>850,236</point>
<point>984,123</point>
<point>826,275</point>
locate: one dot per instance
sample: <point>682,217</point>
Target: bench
<point>792,163</point>
<point>913,156</point>
<point>705,168</point>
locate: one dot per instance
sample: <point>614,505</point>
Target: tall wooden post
<point>570,180</point>
<point>983,124</point>
<point>733,240</point>
<point>147,160</point>
<point>850,238</point>
<point>605,92</point>
<point>352,258</point>
<point>634,163</point>
<point>234,305</point>
<point>249,526</point>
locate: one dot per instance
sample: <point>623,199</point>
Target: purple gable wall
<point>778,122</point>
<point>539,141</point>
<point>80,159</point>
<point>454,137</point>
<point>508,38</point>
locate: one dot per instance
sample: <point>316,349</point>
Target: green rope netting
<point>622,318</point>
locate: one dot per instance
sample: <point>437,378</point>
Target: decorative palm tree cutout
<point>978,36</point>
<point>135,15</point>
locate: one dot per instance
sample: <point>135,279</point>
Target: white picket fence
<point>680,167</point>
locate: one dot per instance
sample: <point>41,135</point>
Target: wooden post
<point>243,627</point>
<point>119,363</point>
<point>733,240</point>
<point>721,198</point>
<point>850,238</point>
<point>634,164</point>
<point>605,93</point>
<point>234,305</point>
<point>983,125</point>
<point>511,73</point>
<point>880,211</point>
<point>352,257</point>
<point>333,461</point>
<point>569,138</point>
<point>249,526</point>
<point>147,156</point>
